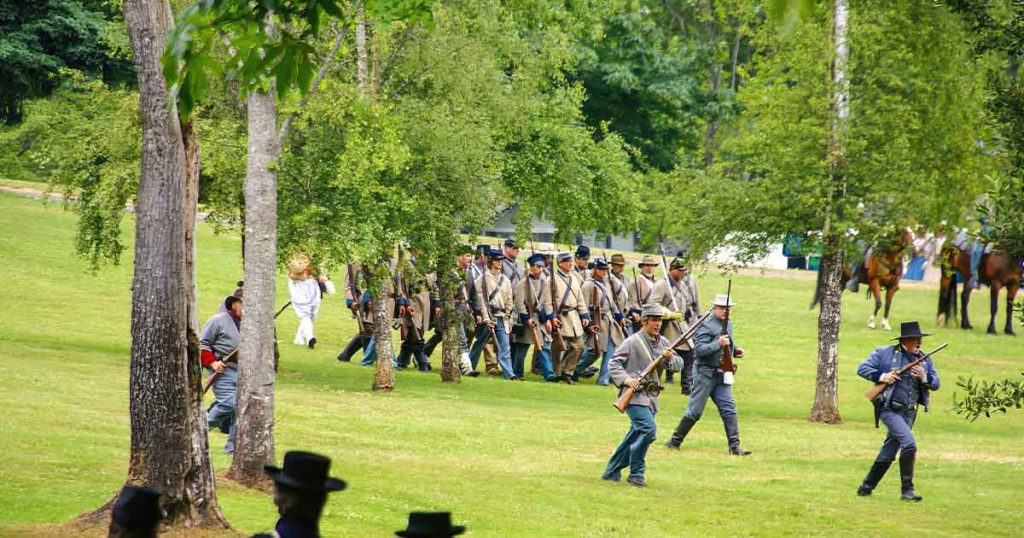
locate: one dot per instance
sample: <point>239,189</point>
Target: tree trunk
<point>254,444</point>
<point>826,393</point>
<point>826,390</point>
<point>451,346</point>
<point>167,445</point>
<point>361,75</point>
<point>384,375</point>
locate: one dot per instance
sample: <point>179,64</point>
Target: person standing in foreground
<point>709,380</point>
<point>635,353</point>
<point>217,342</point>
<point>300,491</point>
<point>897,406</point>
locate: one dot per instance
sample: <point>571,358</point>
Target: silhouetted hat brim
<point>454,530</point>
<point>279,477</point>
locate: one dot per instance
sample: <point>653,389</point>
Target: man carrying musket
<point>897,406</point>
<point>493,311</point>
<point>571,316</point>
<point>533,305</point>
<point>631,358</point>
<point>217,342</point>
<point>709,378</point>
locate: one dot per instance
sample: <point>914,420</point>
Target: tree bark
<point>451,346</point>
<point>826,393</point>
<point>361,62</point>
<point>254,443</point>
<point>826,390</point>
<point>168,437</point>
<point>384,374</point>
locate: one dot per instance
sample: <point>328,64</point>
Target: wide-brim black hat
<point>910,329</point>
<point>305,471</point>
<point>430,524</point>
<point>138,508</point>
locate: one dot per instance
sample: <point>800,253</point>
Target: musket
<point>727,364</point>
<point>531,309</point>
<point>874,392</point>
<point>626,394</point>
<point>282,309</point>
<point>597,322</point>
<point>636,286</point>
<point>615,303</point>
<point>486,300</point>
<point>356,298</point>
<point>557,342</point>
<point>213,377</point>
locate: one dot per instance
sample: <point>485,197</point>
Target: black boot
<point>684,427</point>
<point>907,476</point>
<point>875,474</point>
<point>732,433</point>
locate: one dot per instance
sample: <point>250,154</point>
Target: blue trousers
<point>225,392</point>
<point>632,451</point>
<point>899,438</point>
<point>504,352</point>
<point>707,383</point>
<point>519,360</point>
<point>370,354</point>
<point>588,359</point>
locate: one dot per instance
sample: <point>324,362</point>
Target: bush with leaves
<point>985,398</point>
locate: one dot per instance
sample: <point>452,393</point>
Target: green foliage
<point>85,141</point>
<point>1004,209</point>
<point>40,38</point>
<point>985,398</point>
<point>911,152</point>
<point>268,40</point>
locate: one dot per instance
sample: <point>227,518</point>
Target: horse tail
<point>817,291</point>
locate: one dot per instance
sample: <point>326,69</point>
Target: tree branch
<point>678,16</point>
<point>324,67</point>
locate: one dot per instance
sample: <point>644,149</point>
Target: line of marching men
<point>572,309</point>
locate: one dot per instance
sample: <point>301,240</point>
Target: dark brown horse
<point>994,269</point>
<point>886,270</point>
<point>878,271</point>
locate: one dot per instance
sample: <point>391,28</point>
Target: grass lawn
<point>508,459</point>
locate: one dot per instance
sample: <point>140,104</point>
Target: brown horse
<point>995,269</point>
<point>886,270</point>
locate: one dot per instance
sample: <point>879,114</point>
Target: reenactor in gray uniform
<point>709,381</point>
<point>476,269</point>
<point>897,406</point>
<point>357,299</point>
<point>418,302</point>
<point>217,342</point>
<point>509,265</point>
<point>635,354</point>
<point>670,292</point>
<point>606,333</point>
<point>640,287</point>
<point>580,266</point>
<point>533,305</point>
<point>571,316</point>
<point>494,309</point>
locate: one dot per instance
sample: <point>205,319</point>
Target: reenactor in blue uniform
<point>709,380</point>
<point>897,406</point>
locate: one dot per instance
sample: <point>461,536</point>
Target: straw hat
<point>298,266</point>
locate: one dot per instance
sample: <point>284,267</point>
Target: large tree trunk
<point>384,375</point>
<point>166,450</point>
<point>826,394</point>
<point>254,444</point>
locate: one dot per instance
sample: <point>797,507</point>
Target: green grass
<point>509,459</point>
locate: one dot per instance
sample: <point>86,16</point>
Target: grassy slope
<point>506,458</point>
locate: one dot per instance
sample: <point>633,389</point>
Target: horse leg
<point>993,306</point>
<point>940,319</point>
<point>965,300</point>
<point>889,293</point>
<point>877,292</point>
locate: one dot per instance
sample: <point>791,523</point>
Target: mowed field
<point>507,458</point>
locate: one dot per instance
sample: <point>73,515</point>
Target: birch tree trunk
<point>361,56</point>
<point>451,346</point>
<point>167,427</point>
<point>384,374</point>
<point>254,443</point>
<point>826,393</point>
